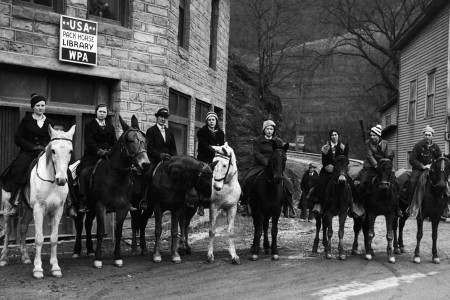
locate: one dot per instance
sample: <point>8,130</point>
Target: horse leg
<point>176,215</point>
<point>266,243</point>
<point>101,215</point>
<point>78,221</point>
<point>184,221</point>
<point>158,231</point>
<point>329,236</point>
<point>38,214</point>
<point>394,229</point>
<point>402,222</point>
<point>120,218</point>
<point>418,238</point>
<point>317,239</point>
<point>90,216</point>
<point>368,229</point>
<point>324,231</point>
<point>136,218</point>
<point>275,218</point>
<point>143,225</point>
<point>23,224</point>
<point>357,224</point>
<point>231,215</point>
<point>8,226</point>
<point>257,224</point>
<point>389,236</point>
<point>342,218</point>
<point>55,219</point>
<point>213,212</point>
<point>434,225</point>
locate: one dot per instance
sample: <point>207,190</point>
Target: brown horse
<point>338,199</point>
<point>433,203</point>
<point>111,188</point>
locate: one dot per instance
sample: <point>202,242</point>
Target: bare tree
<point>368,29</point>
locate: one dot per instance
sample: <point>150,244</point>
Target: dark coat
<point>422,155</point>
<point>206,139</point>
<point>156,144</point>
<point>96,138</point>
<point>327,154</point>
<point>262,149</point>
<point>374,153</point>
<point>28,135</point>
<point>309,181</point>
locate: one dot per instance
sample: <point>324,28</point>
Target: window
<point>387,120</point>
<point>213,34</point>
<point>109,11</point>
<point>179,119</point>
<point>183,24</point>
<point>50,5</point>
<point>412,101</point>
<point>429,103</point>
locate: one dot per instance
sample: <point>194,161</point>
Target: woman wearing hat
<point>99,139</point>
<point>262,150</point>
<point>423,154</point>
<point>32,136</point>
<point>207,136</point>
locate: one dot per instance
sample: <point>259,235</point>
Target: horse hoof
<point>26,261</point>
<point>98,264</point>
<point>275,257</point>
<point>368,257</point>
<point>118,263</point>
<point>392,260</point>
<point>157,258</point>
<point>91,254</point>
<point>38,274</point>
<point>210,259</point>
<point>76,256</point>
<point>3,263</point>
<point>254,257</point>
<point>57,273</point>
<point>176,259</point>
<point>328,256</point>
<point>417,260</point>
<point>354,252</point>
<point>236,261</point>
<point>188,251</point>
<point>436,260</point>
<point>402,249</point>
<point>342,257</point>
<point>397,251</point>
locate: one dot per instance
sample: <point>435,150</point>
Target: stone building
<point>150,54</point>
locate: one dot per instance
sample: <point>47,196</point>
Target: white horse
<point>225,196</point>
<point>46,192</point>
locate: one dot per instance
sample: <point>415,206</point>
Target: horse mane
<point>183,170</point>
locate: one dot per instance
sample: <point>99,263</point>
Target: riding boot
<point>14,201</point>
<point>83,208</point>
<point>69,210</point>
<point>290,207</point>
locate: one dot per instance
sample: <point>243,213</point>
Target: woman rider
<point>207,136</point>
<point>262,150</point>
<point>32,136</point>
<point>99,139</point>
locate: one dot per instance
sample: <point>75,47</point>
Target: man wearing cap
<point>160,144</point>
<point>424,153</point>
<point>309,180</point>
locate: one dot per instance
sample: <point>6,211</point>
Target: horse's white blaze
<point>357,288</point>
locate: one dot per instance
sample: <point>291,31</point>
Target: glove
<point>329,168</point>
<point>39,148</point>
<point>101,152</point>
<point>427,166</point>
<point>164,156</point>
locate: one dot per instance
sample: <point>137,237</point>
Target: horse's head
<point>204,182</point>
<point>134,144</point>
<point>226,166</point>
<point>340,168</point>
<point>277,162</point>
<point>59,151</point>
<point>439,172</point>
<point>385,168</point>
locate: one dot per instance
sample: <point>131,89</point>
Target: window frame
<point>213,33</point>
<point>123,20</point>
<point>429,105</point>
<point>412,102</point>
<point>386,118</point>
<point>179,119</point>
<point>57,7</point>
<point>183,24</point>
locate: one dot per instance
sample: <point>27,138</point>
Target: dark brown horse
<point>111,189</point>
<point>433,203</point>
<point>266,199</point>
<point>381,200</point>
<point>178,182</point>
<point>337,201</point>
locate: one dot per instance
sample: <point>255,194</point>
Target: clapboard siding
<point>427,51</point>
<point>391,136</point>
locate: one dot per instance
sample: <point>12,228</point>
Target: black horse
<point>399,223</point>
<point>337,201</point>
<point>433,203</point>
<point>179,182</point>
<point>381,200</point>
<point>266,199</point>
<point>111,190</point>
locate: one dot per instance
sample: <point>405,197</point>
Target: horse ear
<point>124,125</point>
<point>51,131</point>
<point>134,122</point>
<point>286,147</point>
<point>224,151</point>
<point>71,131</point>
<point>391,155</point>
<point>213,164</point>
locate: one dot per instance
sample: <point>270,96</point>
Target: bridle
<point>229,164</point>
<point>388,182</point>
<point>142,144</point>
<point>444,160</point>
<point>53,163</point>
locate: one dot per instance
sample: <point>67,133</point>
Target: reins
<point>53,163</point>
<point>228,169</point>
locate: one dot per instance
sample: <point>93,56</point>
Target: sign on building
<point>300,139</point>
<point>78,41</point>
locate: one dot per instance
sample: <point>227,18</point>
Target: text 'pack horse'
<point>46,192</point>
<point>266,199</point>
<point>111,189</point>
<point>382,199</point>
<point>177,182</point>
<point>432,202</point>
<point>337,200</point>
